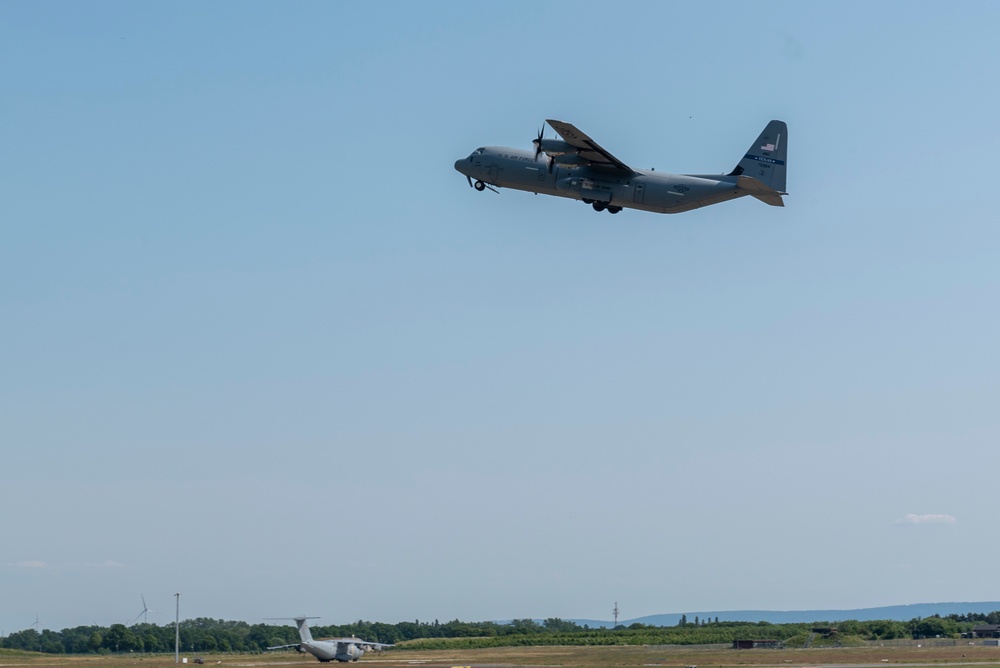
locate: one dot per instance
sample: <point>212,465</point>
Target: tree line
<point>205,635</point>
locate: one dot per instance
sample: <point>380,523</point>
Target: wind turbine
<point>143,614</point>
<point>35,626</point>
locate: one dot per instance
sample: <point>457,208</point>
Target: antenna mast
<point>616,614</point>
<point>177,631</point>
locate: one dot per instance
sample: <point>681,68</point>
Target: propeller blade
<point>538,141</point>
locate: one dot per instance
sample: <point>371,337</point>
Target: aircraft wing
<point>284,646</point>
<point>359,641</point>
<point>588,148</point>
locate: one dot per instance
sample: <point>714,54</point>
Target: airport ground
<point>672,656</point>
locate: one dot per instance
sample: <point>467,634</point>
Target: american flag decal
<point>767,147</point>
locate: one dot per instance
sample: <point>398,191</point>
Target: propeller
<point>537,141</point>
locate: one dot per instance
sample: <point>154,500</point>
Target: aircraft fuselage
<point>641,189</point>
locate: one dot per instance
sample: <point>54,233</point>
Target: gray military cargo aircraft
<point>331,649</point>
<point>578,168</point>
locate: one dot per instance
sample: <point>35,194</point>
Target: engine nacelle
<point>556,147</point>
<point>350,652</point>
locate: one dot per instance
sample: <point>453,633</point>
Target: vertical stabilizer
<point>766,159</point>
<point>304,633</point>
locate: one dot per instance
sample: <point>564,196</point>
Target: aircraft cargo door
<point>640,192</point>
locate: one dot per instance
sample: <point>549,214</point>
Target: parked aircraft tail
<point>765,161</point>
<point>304,633</point>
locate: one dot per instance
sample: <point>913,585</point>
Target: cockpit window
<point>479,151</point>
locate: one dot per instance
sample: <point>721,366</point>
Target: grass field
<point>570,657</point>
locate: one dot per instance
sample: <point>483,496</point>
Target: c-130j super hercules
<point>578,168</point>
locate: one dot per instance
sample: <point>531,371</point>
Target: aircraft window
<point>480,151</point>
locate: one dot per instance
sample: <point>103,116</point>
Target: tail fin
<point>304,633</point>
<point>766,158</point>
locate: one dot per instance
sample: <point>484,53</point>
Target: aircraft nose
<point>458,165</point>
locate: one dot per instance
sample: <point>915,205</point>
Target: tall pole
<point>177,631</point>
<point>616,614</point>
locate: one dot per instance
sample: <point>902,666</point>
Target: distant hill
<point>902,613</point>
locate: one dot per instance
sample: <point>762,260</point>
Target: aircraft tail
<point>304,633</point>
<point>766,161</point>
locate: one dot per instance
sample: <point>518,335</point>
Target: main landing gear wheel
<point>479,185</point>
<point>614,209</point>
<point>598,206</point>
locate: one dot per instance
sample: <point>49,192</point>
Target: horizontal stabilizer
<point>764,193</point>
<point>773,200</point>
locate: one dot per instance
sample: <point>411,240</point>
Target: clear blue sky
<point>263,346</point>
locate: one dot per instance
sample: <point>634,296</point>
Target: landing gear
<point>479,185</point>
<point>601,206</point>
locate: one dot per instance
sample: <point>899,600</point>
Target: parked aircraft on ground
<point>330,649</point>
<point>578,168</point>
